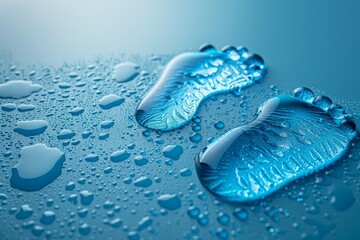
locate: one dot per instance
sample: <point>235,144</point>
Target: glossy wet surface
<point>120,180</point>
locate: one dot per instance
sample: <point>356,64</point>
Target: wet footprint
<point>290,138</point>
<point>190,78</point>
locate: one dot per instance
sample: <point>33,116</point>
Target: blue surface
<point>304,43</point>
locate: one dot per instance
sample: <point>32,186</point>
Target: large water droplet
<point>119,156</point>
<point>31,128</point>
<point>169,201</point>
<point>125,72</point>
<point>38,166</point>
<point>92,158</point>
<point>173,151</point>
<point>65,134</point>
<point>110,101</point>
<point>18,89</point>
<point>86,197</point>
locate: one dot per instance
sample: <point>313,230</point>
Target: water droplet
<point>193,212</point>
<point>110,101</point>
<point>195,137</point>
<point>31,128</point>
<point>18,89</point>
<point>223,218</point>
<point>140,160</point>
<point>26,107</point>
<point>196,128</point>
<point>143,182</point>
<point>125,72</point>
<point>107,124</point>
<point>86,197</point>
<point>203,220</point>
<point>92,158</point>
<point>241,214</point>
<point>103,136</point>
<point>337,112</point>
<point>219,125</point>
<point>342,198</point>
<point>144,223</point>
<point>222,233</point>
<point>65,134</point>
<point>348,126</point>
<point>133,235</point>
<point>3,196</point>
<point>37,230</point>
<point>47,218</point>
<point>119,156</point>
<point>38,166</point>
<point>185,172</point>
<point>322,102</point>
<point>64,85</point>
<point>169,201</point>
<point>8,107</point>
<point>70,186</point>
<point>196,120</point>
<point>173,151</point>
<point>73,75</point>
<point>25,212</point>
<point>146,133</point>
<point>115,223</point>
<point>77,111</point>
<point>84,229</point>
<point>304,94</point>
<point>270,229</point>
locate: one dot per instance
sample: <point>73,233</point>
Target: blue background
<point>304,43</point>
